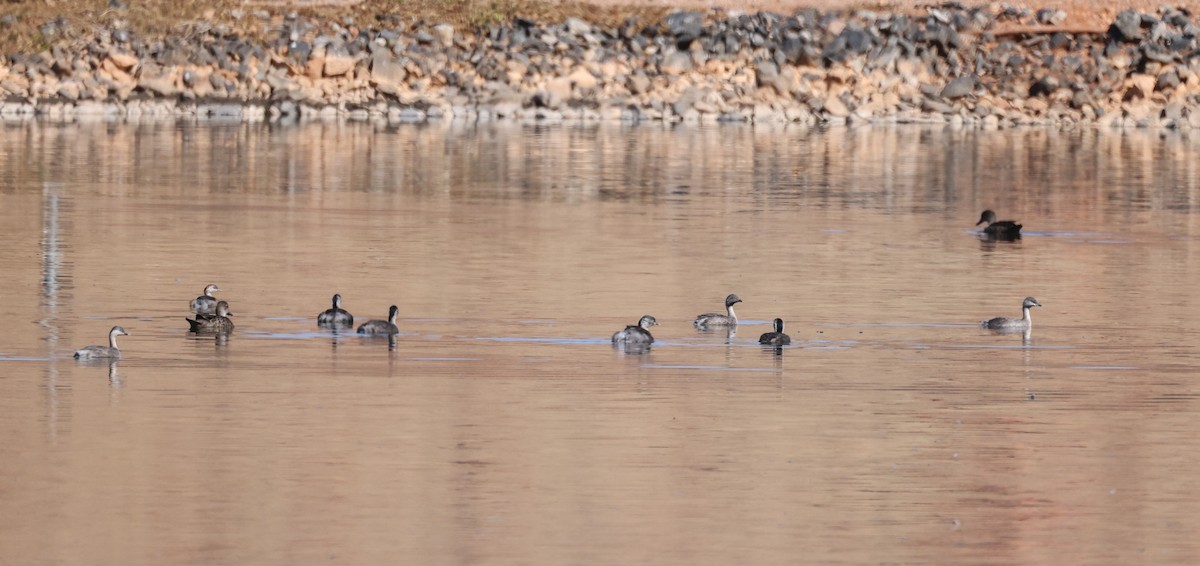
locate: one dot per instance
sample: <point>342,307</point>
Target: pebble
<point>697,67</point>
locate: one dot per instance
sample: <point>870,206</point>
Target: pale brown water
<point>503,429</point>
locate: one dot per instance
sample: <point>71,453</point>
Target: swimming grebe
<point>1003,323</point>
<point>381,326</point>
<point>712,319</point>
<point>98,352</point>
<point>636,335</point>
<point>336,316</point>
<point>777,338</point>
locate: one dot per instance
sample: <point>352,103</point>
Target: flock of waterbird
<point>213,316</point>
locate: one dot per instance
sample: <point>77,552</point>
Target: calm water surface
<point>501,427</point>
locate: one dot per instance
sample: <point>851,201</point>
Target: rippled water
<point>501,427</point>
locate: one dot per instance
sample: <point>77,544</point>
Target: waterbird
<point>1002,229</point>
<point>636,335</point>
<point>1023,323</point>
<point>206,304</point>
<point>216,323</point>
<point>777,338</point>
<point>103,352</point>
<point>336,316</point>
<point>382,326</point>
<point>712,319</point>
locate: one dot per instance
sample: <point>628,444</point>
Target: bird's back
<point>336,316</point>
<point>633,335</point>
<point>95,352</point>
<point>378,327</point>
<point>775,339</point>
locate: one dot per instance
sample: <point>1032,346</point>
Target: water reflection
<point>508,411</point>
<point>631,348</point>
<point>726,332</point>
<point>1026,334</point>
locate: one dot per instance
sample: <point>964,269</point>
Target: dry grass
<point>21,26</point>
<point>25,19</point>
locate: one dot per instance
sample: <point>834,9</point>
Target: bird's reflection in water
<point>990,243</point>
<point>1025,333</point>
<point>114,378</point>
<point>729,332</point>
<point>631,349</point>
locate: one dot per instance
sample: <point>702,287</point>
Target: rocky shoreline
<point>989,66</point>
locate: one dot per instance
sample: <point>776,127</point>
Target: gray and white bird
<point>103,352</point>
<point>716,320</point>
<point>1004,323</point>
<point>636,335</point>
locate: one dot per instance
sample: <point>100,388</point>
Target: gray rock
<point>685,26</point>
<point>444,34</point>
<point>577,26</point>
<point>798,52</point>
<point>676,62</point>
<point>387,69</point>
<point>1173,111</point>
<point>1081,99</point>
<point>852,41</point>
<point>1127,26</point>
<point>1051,16</point>
<point>1167,80</point>
<point>959,87</point>
<point>937,106</point>
<point>638,83</point>
<point>1043,86</point>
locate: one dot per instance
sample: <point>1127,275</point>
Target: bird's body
<point>636,334</point>
<point>206,304</point>
<point>1004,323</point>
<point>336,315</point>
<point>216,323</point>
<point>382,327</point>
<point>998,229</point>
<point>718,320</point>
<point>103,352</point>
<point>776,338</point>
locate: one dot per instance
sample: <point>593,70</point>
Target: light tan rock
<point>122,60</point>
<point>444,33</point>
<point>835,107</point>
<point>315,64</point>
<point>559,87</point>
<point>385,69</point>
<point>582,79</point>
<point>1142,85</point>
<point>338,64</point>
